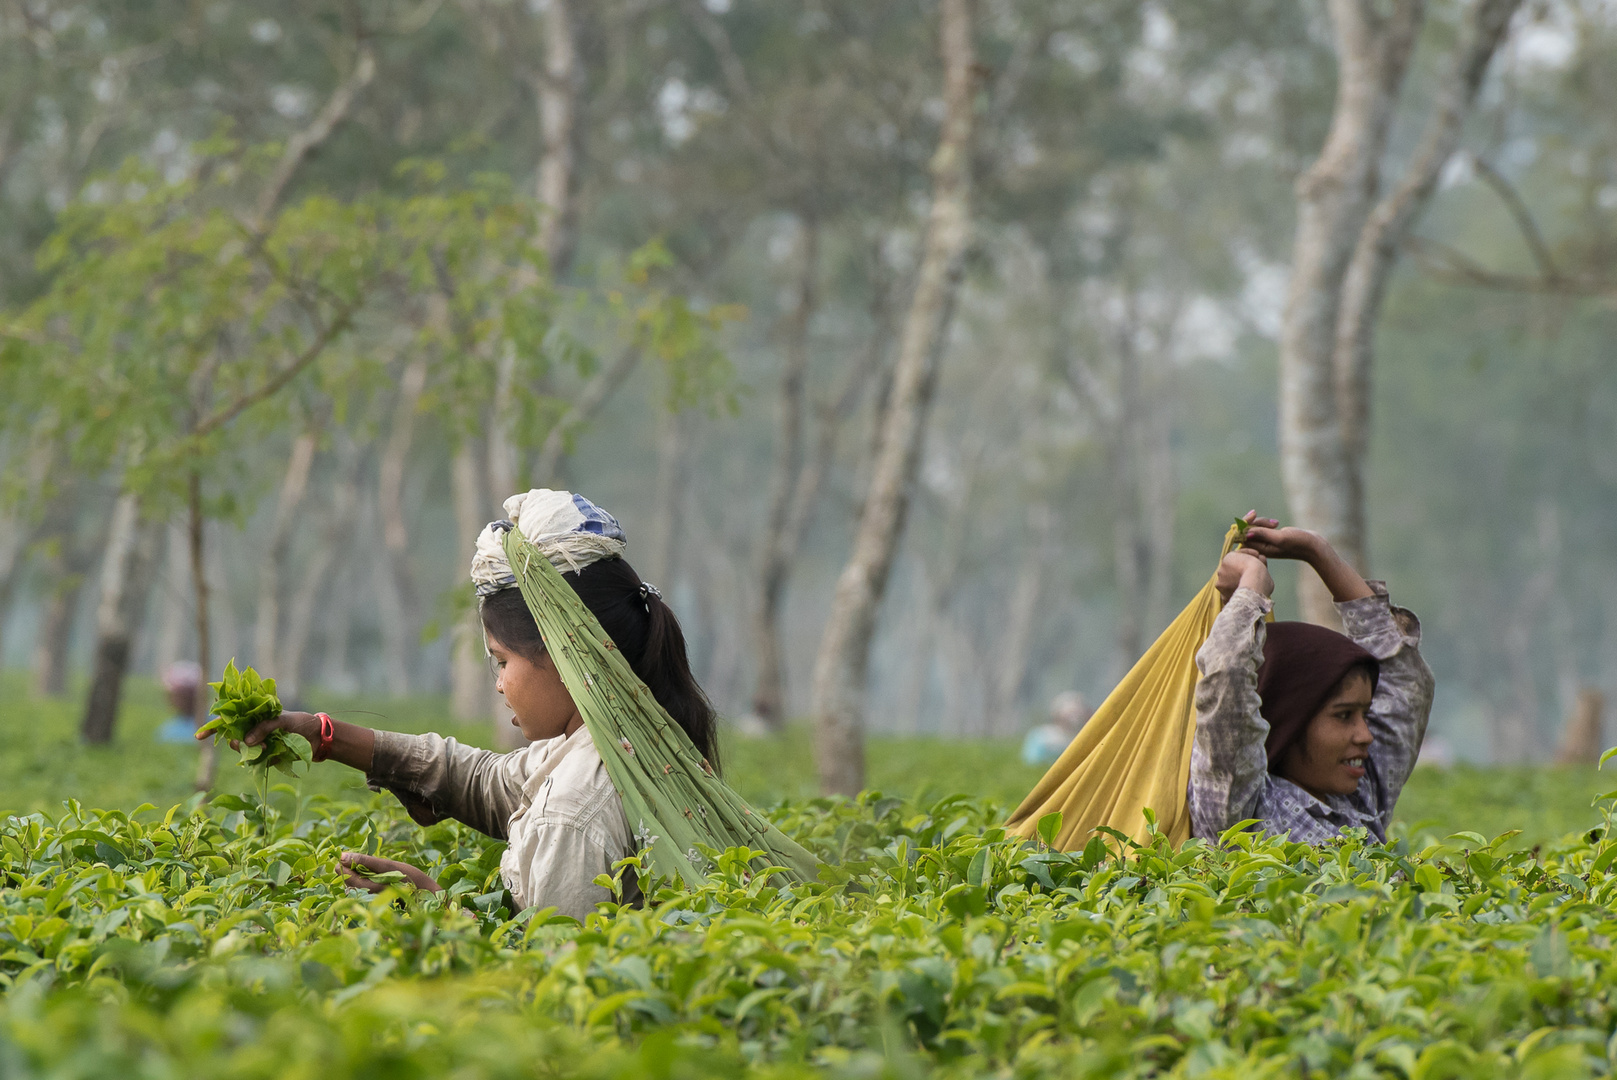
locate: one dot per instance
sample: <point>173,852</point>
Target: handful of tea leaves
<point>381,877</point>
<point>241,702</point>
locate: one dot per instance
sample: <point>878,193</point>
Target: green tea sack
<point>242,700</point>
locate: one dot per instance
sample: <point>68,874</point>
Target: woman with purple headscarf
<point>1304,729</point>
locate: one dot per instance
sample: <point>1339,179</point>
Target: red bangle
<point>328,735</point>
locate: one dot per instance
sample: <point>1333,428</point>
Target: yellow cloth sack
<point>1134,752</point>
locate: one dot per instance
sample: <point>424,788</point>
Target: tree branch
<point>590,399</point>
<point>302,144</point>
<point>1521,214</point>
<point>712,30</point>
<point>273,386</point>
<point>1449,264</point>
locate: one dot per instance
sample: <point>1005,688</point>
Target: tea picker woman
<point>1305,729</point>
<point>624,752</point>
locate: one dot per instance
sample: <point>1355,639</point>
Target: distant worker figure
<point>1305,729</point>
<point>182,680</point>
<point>1044,743</point>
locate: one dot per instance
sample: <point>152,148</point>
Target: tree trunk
<point>591,398</point>
<point>126,574</point>
<point>1515,735</point>
<point>915,677</point>
<point>471,688</point>
<point>1345,248</point>
<point>400,633</point>
<point>1334,198</point>
<point>1584,738</point>
<point>1022,610</point>
<point>55,639</point>
<point>207,760</point>
<point>1128,530</point>
<point>173,617</point>
<point>556,87</point>
<point>558,108</point>
<point>1159,494</point>
<point>661,561</point>
<point>315,585</point>
<point>1364,284</point>
<point>468,671</point>
<point>769,694</point>
<point>842,664</point>
<point>336,672</point>
<point>14,536</point>
<point>294,485</point>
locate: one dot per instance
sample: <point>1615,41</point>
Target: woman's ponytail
<point>665,668</point>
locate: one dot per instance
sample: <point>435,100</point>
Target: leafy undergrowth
<point>218,942</point>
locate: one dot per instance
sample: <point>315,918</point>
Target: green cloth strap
<point>672,797</point>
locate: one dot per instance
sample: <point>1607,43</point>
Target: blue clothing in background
<point>178,729</point>
<point>1044,744</point>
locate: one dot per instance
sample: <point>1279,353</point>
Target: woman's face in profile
<point>541,706</point>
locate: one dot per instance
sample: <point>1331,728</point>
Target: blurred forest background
<point>294,294</point>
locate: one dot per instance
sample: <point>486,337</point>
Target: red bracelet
<point>328,735</point>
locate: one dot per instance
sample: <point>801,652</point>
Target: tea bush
<point>218,941</point>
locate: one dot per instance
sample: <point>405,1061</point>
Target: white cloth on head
<point>568,529</point>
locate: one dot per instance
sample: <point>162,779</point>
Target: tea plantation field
<point>218,942</point>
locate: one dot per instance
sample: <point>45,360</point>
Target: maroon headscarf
<point>1302,664</point>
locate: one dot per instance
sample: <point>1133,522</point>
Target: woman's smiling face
<point>1330,758</point>
<point>535,693</point>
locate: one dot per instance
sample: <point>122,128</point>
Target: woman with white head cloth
<point>557,801</point>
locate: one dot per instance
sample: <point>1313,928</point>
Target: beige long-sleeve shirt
<point>551,801</point>
<point>1230,779</point>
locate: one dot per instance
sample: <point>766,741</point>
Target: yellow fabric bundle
<point>1134,753</point>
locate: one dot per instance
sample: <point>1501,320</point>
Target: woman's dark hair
<point>642,627</point>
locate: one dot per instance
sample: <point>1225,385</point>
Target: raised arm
<point>1402,704</point>
<point>1228,766</point>
<point>1403,699</point>
<point>1266,538</point>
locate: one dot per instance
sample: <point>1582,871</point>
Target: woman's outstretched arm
<point>351,744</point>
<point>434,777</point>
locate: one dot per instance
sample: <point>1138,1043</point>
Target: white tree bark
<point>1021,617</point>
<point>267,622</point>
<point>471,687</point>
<point>1364,285</point>
<point>15,534</point>
<point>660,563</point>
<point>56,630</point>
<point>556,87</point>
<point>592,397</point>
<point>558,128</point>
<point>1334,198</point>
<point>769,692</point>
<point>468,673</point>
<point>400,634</point>
<point>196,534</point>
<point>311,596</point>
<point>841,666</point>
<point>174,597</point>
<point>1344,251</point>
<point>126,573</point>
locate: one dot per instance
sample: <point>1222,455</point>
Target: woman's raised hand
<point>362,872</point>
<point>1242,568</point>
<point>1267,538</point>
